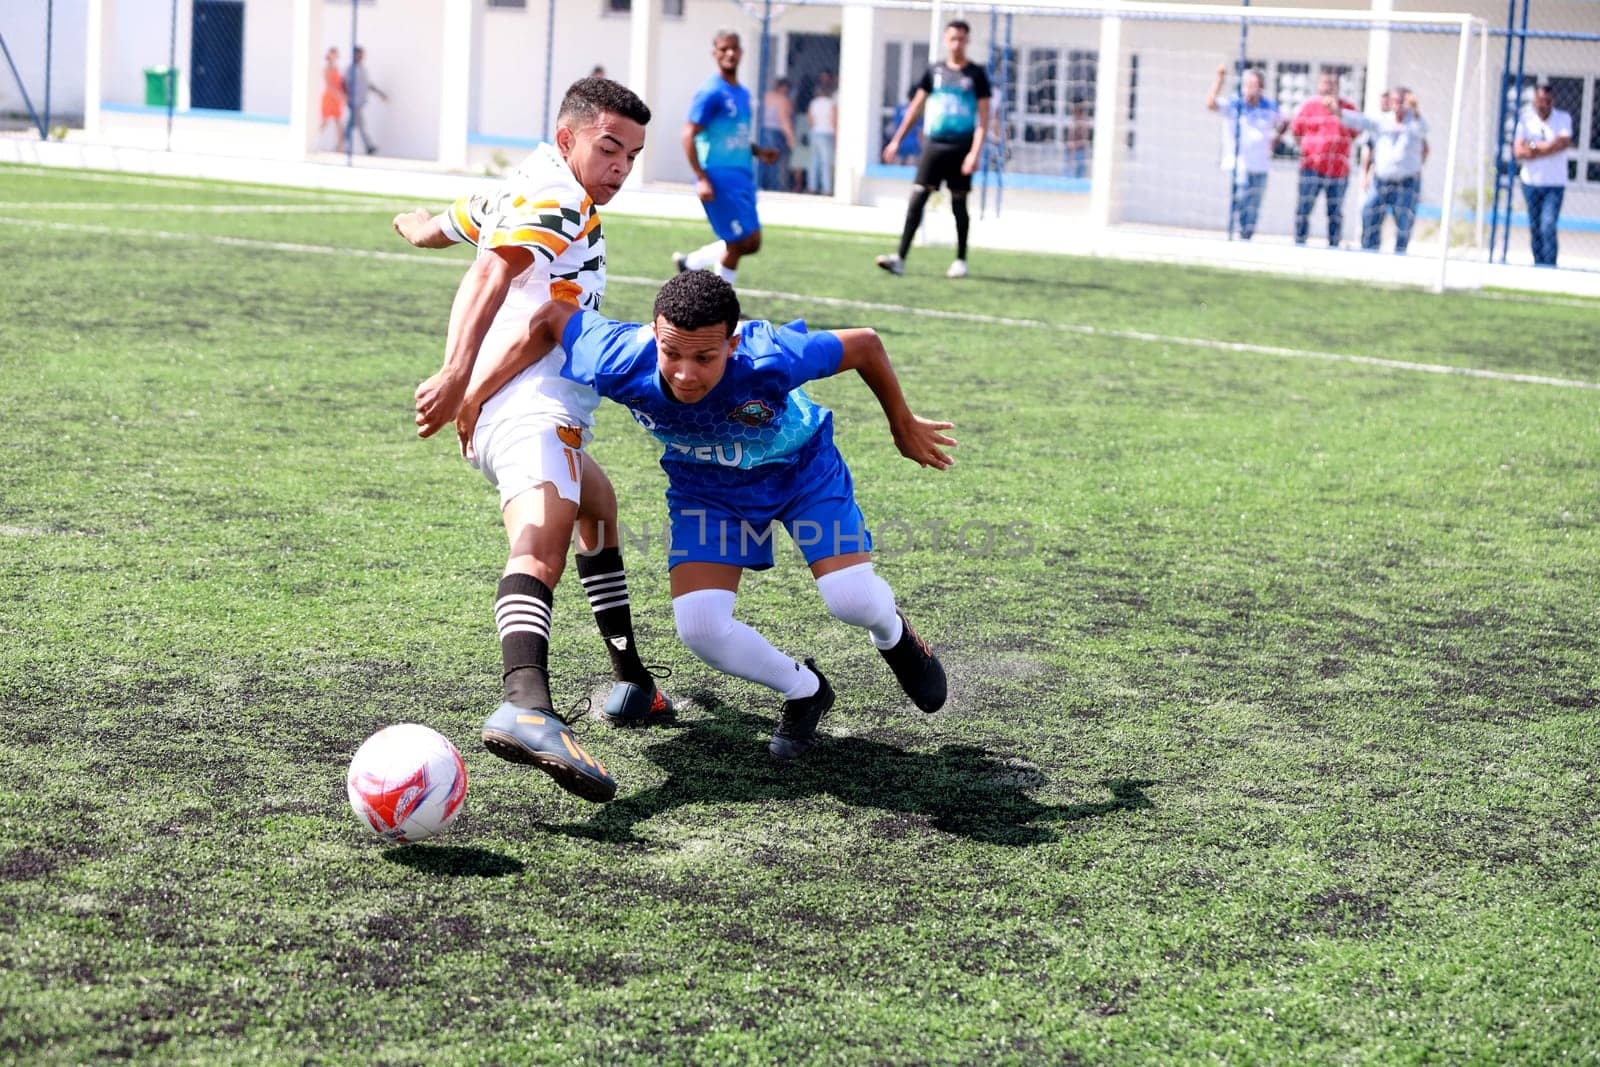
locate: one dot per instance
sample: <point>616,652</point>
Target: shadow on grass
<point>454,861</point>
<point>958,789</point>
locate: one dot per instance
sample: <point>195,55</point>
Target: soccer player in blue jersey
<point>718,141</point>
<point>956,95</point>
<point>747,449</point>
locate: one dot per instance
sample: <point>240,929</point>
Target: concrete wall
<point>23,27</point>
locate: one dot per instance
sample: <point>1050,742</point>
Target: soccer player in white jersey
<point>539,239</point>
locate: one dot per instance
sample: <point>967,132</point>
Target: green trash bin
<point>160,86</point>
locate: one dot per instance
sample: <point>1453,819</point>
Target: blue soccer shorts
<point>814,500</point>
<point>732,210</point>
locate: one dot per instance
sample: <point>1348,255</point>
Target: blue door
<point>216,54</point>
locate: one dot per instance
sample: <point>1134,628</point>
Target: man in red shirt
<point>1324,158</point>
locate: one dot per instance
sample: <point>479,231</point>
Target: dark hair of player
<point>959,24</point>
<point>698,298</point>
<point>588,97</point>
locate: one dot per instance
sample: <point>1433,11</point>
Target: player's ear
<point>565,139</point>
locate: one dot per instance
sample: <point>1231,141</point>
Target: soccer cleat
<point>893,264</point>
<point>797,727</point>
<point>632,705</point>
<point>958,269</point>
<point>537,737</point>
<point>916,668</point>
<point>680,262</point>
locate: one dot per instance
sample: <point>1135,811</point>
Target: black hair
<point>696,299</point>
<point>959,24</point>
<point>588,97</point>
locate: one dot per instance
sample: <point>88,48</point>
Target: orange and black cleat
<point>535,736</point>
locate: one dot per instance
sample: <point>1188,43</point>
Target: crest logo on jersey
<point>752,413</point>
<point>571,436</point>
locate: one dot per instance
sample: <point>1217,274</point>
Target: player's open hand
<point>412,225</point>
<point>919,440</point>
<point>466,424</point>
<point>438,400</point>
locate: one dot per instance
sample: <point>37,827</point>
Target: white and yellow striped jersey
<point>540,207</point>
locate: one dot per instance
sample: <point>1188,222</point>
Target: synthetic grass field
<point>1275,690</point>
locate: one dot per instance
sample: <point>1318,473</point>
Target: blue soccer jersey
<point>757,415</point>
<point>752,453</point>
<point>722,111</point>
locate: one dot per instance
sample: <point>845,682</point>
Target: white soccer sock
<point>727,274</point>
<point>706,624</point>
<point>856,595</point>
<point>706,256</point>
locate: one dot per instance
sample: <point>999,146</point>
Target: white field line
<point>123,233</point>
<point>190,209</point>
<point>170,183</point>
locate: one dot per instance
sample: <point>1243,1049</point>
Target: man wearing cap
<point>1544,132</point>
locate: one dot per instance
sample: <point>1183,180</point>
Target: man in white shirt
<point>821,121</point>
<point>1247,155</point>
<point>1399,144</point>
<point>1544,133</point>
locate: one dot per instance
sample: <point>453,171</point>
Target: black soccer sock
<point>958,207</point>
<point>606,584</point>
<point>522,615</point>
<point>919,200</point>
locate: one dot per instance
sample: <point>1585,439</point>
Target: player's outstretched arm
<point>918,439</point>
<point>543,333</point>
<point>422,229</point>
<point>479,296</point>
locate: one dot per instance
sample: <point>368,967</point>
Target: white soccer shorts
<point>518,453</point>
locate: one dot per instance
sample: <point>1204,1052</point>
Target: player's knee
<point>704,619</point>
<point>958,204</point>
<point>919,196</point>
<point>856,595</point>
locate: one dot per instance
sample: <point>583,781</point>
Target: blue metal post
<point>761,82</point>
<point>1511,185</point>
<point>349,107</point>
<point>1500,178</point>
<point>32,114</point>
<point>996,57</point>
<point>1238,121</point>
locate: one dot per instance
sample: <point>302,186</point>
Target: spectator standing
<point>1399,144</point>
<point>956,93</point>
<point>1080,139</point>
<point>777,132</point>
<point>1543,135</point>
<point>1251,128</point>
<point>821,125</point>
<point>333,97</point>
<point>1324,158</point>
<point>360,86</point>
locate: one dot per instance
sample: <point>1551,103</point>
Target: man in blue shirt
<point>718,143</point>
<point>746,449</point>
<point>956,94</point>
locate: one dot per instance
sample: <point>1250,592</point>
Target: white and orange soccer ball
<point>407,782</point>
